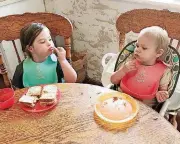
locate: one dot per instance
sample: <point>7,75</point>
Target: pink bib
<point>143,83</point>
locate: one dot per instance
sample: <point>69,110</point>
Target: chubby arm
<point>70,75</point>
<point>162,93</point>
<point>118,75</point>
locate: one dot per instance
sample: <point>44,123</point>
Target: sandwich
<point>34,91</point>
<point>47,99</point>
<point>49,89</point>
<point>29,101</point>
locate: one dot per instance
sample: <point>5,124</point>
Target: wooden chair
<point>138,19</point>
<point>11,25</point>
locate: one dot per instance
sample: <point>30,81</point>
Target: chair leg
<point>173,120</point>
<point>3,71</point>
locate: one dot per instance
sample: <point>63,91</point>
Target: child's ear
<point>29,48</point>
<point>159,53</point>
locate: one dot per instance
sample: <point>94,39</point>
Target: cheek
<point>38,48</point>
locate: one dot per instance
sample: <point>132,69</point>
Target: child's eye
<point>50,39</point>
<point>144,48</point>
<point>42,41</point>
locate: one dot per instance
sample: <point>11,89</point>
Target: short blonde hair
<point>160,36</point>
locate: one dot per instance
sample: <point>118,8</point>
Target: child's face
<point>42,45</point>
<point>146,50</point>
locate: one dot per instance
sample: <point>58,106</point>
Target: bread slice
<point>27,100</point>
<point>49,89</point>
<point>34,91</point>
<point>47,98</point>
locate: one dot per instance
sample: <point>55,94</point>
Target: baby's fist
<point>161,96</point>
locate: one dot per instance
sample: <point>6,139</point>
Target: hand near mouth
<point>130,66</point>
<point>61,53</point>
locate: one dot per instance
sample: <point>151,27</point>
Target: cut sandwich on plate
<point>47,98</point>
<point>49,89</point>
<point>34,91</point>
<point>27,100</point>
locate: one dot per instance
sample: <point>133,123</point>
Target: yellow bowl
<point>116,124</point>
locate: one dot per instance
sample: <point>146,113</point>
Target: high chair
<point>11,25</point>
<point>135,21</point>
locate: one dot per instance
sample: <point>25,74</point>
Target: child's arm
<point>17,81</point>
<point>118,75</point>
<point>162,93</point>
<point>70,75</point>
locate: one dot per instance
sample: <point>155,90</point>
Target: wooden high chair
<point>11,25</point>
<point>138,19</point>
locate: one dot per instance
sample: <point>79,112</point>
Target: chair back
<point>138,19</point>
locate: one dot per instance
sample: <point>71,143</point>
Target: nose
<point>137,50</point>
<point>48,43</point>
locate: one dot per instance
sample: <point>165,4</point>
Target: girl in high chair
<point>145,76</point>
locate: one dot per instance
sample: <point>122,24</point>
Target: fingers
<point>61,53</point>
<point>61,49</point>
<point>3,70</point>
<point>162,96</point>
<point>131,65</point>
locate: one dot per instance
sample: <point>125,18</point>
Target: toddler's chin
<point>138,61</point>
<point>50,52</point>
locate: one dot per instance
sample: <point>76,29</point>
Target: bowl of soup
<point>116,110</point>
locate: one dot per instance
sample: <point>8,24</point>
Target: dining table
<point>72,121</point>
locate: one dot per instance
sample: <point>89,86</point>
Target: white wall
<point>94,25</point>
<point>18,7</point>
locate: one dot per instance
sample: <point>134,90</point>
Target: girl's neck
<point>147,63</point>
<point>38,59</point>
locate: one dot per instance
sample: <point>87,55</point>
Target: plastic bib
<point>39,73</point>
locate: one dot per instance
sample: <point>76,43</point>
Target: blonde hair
<point>160,36</point>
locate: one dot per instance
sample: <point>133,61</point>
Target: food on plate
<point>34,91</point>
<point>115,108</point>
<point>47,98</point>
<point>28,100</point>
<point>49,89</point>
<point>45,95</point>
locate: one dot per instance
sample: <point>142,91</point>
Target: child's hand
<point>3,71</point>
<point>61,53</point>
<point>161,96</point>
<point>129,66</point>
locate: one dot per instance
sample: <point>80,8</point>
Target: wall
<point>94,25</point>
<point>17,7</point>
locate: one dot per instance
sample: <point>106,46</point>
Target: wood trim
<point>15,48</point>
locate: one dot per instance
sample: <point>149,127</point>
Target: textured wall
<point>94,26</point>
